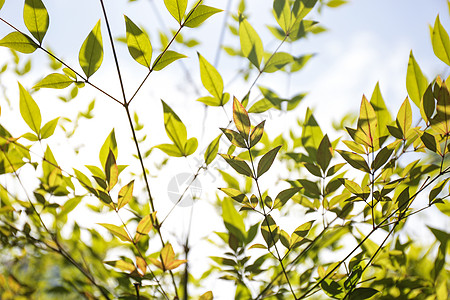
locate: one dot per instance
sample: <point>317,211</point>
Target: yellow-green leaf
<point>241,119</point>
<point>355,160</point>
<point>49,128</point>
<point>270,231</point>
<point>235,194</point>
<point>165,59</point>
<point>168,259</point>
<point>199,15</point>
<point>441,42</point>
<point>122,265</point>
<point>207,296</point>
<point>125,195</point>
<point>211,150</point>
<point>111,170</point>
<point>233,220</point>
<point>211,79</point>
<point>256,134</point>
<point>302,7</point>
<point>1,3</point>
<point>251,44</point>
<point>299,234</point>
<point>324,153</point>
<point>175,129</point>
<point>404,117</point>
<point>19,42</point>
<point>382,113</point>
<point>427,104</point>
<point>36,18</point>
<point>190,146</point>
<point>367,123</point>
<point>416,82</point>
<point>144,226</point>
<point>277,62</point>
<point>109,144</point>
<point>170,149</point>
<point>54,81</point>
<point>91,52</point>
<point>117,231</point>
<point>29,110</point>
<point>282,13</point>
<point>138,43</point>
<point>311,134</point>
<point>176,8</point>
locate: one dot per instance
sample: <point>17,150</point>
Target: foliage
<point>339,189</point>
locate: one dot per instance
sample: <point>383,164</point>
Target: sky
<point>367,41</point>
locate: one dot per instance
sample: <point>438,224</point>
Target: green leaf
<point>256,134</point>
<point>355,160</point>
<point>382,157</point>
<point>36,18</point>
<point>302,7</point>
<point>427,104</point>
<point>416,82</point>
<point>117,231</point>
<point>270,231</point>
<point>235,194</point>
<point>251,44</point>
<point>176,8</point>
<point>282,14</point>
<point>19,42</point>
<point>362,293</point>
<point>440,42</point>
<point>29,110</point>
<point>211,150</point>
<point>324,153</point>
<point>233,220</point>
<point>144,226</point>
<point>1,3</point>
<point>111,171</point>
<point>429,141</point>
<point>382,113</point>
<point>190,147</point>
<point>234,137</point>
<point>299,234</point>
<point>211,79</point>
<point>54,81</point>
<point>138,44</point>
<point>238,165</point>
<point>165,59</point>
<point>170,150</point>
<point>109,144</point>
<point>336,3</point>
<point>404,117</point>
<point>175,129</point>
<point>367,123</point>
<point>277,62</point>
<point>125,195</point>
<point>267,160</point>
<point>91,52</point>
<point>311,134</point>
<point>403,199</point>
<point>241,119</point>
<point>207,296</point>
<point>49,128</point>
<point>199,15</point>
<point>284,196</point>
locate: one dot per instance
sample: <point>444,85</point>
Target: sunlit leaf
<point>427,104</point>
<point>251,43</point>
<point>211,150</point>
<point>241,119</point>
<point>382,157</point>
<point>441,42</point>
<point>170,149</point>
<point>267,160</point>
<point>302,7</point>
<point>368,123</point>
<point>257,133</point>
<point>382,113</point>
<point>19,42</point>
<point>36,18</point>
<point>211,79</point>
<point>429,141</point>
<point>49,128</point>
<point>109,144</point>
<point>165,59</point>
<point>190,147</point>
<point>54,81</point>
<point>234,194</point>
<point>175,128</point>
<point>324,153</point>
<point>416,82</point>
<point>238,165</point>
<point>404,117</point>
<point>138,43</point>
<point>91,52</point>
<point>277,62</point>
<point>117,231</point>
<point>122,265</point>
<point>207,296</point>
<point>355,160</point>
<point>233,220</point>
<point>362,293</point>
<point>176,8</point>
<point>234,137</point>
<point>29,110</point>
<point>284,196</point>
<point>199,15</point>
<point>144,226</point>
<point>299,234</point>
<point>270,231</point>
<point>125,195</point>
<point>282,14</point>
<point>311,135</point>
